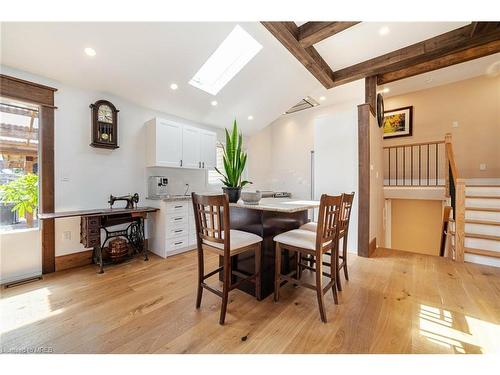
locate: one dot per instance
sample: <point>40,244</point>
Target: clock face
<point>105,114</point>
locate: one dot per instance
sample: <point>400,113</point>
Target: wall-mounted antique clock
<point>104,125</point>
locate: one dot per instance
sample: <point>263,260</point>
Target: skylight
<point>230,57</point>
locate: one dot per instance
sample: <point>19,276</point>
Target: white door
<point>208,149</point>
<point>168,144</point>
<point>191,155</point>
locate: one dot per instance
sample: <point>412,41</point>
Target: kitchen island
<point>267,219</point>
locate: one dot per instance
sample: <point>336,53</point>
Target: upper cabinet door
<point>208,149</point>
<point>168,144</point>
<point>191,155</point>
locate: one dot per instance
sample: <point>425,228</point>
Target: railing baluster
<point>428,166</point>
<point>411,161</point>
<point>404,165</point>
<point>437,164</point>
<point>389,149</point>
<point>396,166</point>
<point>419,165</point>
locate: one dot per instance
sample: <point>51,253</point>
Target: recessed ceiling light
<point>384,30</point>
<point>322,98</point>
<point>228,59</point>
<point>174,86</point>
<point>89,51</point>
<point>214,102</point>
<point>250,117</point>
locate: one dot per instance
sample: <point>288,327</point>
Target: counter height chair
<point>211,214</point>
<point>344,219</point>
<point>314,245</point>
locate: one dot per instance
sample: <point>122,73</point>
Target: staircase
<point>482,223</point>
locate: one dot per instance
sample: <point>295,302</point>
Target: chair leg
<point>258,257</point>
<point>319,289</point>
<point>337,262</point>
<point>225,288</point>
<point>334,272</point>
<point>277,273</point>
<point>299,259</point>
<point>344,254</point>
<point>201,273</point>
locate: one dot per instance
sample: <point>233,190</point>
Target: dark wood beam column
<point>364,180</point>
<point>371,93</point>
<point>442,62</point>
<point>287,33</point>
<point>452,42</point>
<point>314,32</point>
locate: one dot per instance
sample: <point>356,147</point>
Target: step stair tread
<point>482,236</point>
<point>482,222</point>
<point>486,209</point>
<point>488,253</point>
<point>482,196</point>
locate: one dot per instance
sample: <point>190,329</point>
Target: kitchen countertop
<point>172,198</point>
<point>279,205</point>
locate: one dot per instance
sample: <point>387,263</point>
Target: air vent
<point>305,103</point>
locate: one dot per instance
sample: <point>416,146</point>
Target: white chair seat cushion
<point>237,240</point>
<point>312,226</point>
<point>304,239</point>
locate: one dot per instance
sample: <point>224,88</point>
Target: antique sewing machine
<point>130,199</point>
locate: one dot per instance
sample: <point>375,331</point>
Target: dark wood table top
<point>96,212</point>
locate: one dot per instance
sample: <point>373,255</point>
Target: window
<point>18,164</point>
<point>228,59</point>
<point>213,176</point>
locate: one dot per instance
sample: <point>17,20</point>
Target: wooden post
<point>460,220</point>
<point>447,148</point>
<point>371,93</point>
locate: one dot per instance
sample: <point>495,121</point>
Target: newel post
<point>460,220</point>
<point>447,148</point>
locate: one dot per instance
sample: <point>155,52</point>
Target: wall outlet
<point>482,167</point>
<point>67,235</point>
<point>454,124</point>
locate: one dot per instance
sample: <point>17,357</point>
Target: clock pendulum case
<point>104,125</point>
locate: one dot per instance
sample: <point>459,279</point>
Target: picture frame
<point>398,122</point>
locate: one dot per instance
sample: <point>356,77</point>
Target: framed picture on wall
<point>398,122</point>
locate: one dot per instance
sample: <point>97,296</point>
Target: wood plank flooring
<point>395,302</point>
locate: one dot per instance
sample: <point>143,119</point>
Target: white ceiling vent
<point>305,103</point>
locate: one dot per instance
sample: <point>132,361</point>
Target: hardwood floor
<point>395,302</point>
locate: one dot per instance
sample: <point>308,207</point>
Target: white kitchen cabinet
<point>163,143</point>
<point>173,230</point>
<point>191,153</point>
<point>171,144</point>
<point>208,149</point>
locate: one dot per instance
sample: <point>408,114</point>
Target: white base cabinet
<point>174,230</point>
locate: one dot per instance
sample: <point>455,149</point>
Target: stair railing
<point>455,190</point>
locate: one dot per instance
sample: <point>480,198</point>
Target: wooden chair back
<point>345,211</point>
<point>211,213</point>
<point>328,223</point>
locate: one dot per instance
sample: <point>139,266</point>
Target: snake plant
<point>234,160</point>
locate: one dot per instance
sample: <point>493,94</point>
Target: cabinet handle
<point>181,162</point>
<point>178,218</point>
<point>177,243</point>
<point>178,230</point>
<point>178,206</point>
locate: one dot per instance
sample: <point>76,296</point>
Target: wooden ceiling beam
<point>311,33</point>
<point>431,49</point>
<point>441,62</point>
<point>288,33</point>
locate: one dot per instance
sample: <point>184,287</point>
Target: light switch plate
<point>454,124</point>
<point>67,235</point>
<point>482,167</point>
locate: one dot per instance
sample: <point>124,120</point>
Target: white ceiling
<point>363,41</point>
<point>139,61</point>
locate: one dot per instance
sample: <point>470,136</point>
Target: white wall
<point>336,158</point>
<point>279,155</point>
<point>86,176</point>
